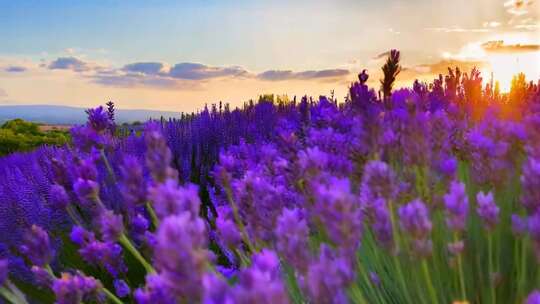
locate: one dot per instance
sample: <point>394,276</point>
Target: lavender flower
<point>98,119</point>
<point>158,156</point>
<point>111,226</point>
<point>292,234</point>
<point>414,219</point>
<point>261,282</point>
<point>37,246</point>
<point>382,224</point>
<point>4,270</point>
<point>108,255</point>
<point>487,210</point>
<point>58,197</point>
<point>530,181</point>
<point>132,183</point>
<point>170,199</point>
<point>456,203</point>
<point>533,298</point>
<point>122,288</point>
<point>95,252</point>
<point>216,290</point>
<point>76,288</point>
<point>88,193</point>
<point>328,277</point>
<point>42,276</point>
<point>155,291</point>
<point>339,211</point>
<point>534,232</point>
<point>378,181</point>
<point>181,255</point>
<point>228,232</point>
<point>519,225</point>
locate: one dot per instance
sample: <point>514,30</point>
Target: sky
<point>181,55</point>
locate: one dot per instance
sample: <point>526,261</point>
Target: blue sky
<point>308,43</point>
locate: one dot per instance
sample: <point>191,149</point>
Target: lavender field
<point>427,194</point>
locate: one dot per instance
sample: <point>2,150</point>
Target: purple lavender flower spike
<point>378,181</point>
<point>88,193</point>
<point>534,232</point>
<point>105,254</point>
<point>170,199</point>
<point>216,290</point>
<point>181,255</point>
<point>340,212</point>
<point>4,270</point>
<point>58,197</point>
<point>42,276</point>
<point>530,181</point>
<point>533,298</point>
<point>374,278</point>
<point>132,184</point>
<point>487,210</point>
<point>98,119</point>
<point>111,226</point>
<point>261,283</point>
<point>76,288</point>
<point>37,246</point>
<point>155,291</point>
<point>414,219</point>
<point>328,278</point>
<point>292,234</point>
<point>81,236</point>
<point>121,288</point>
<point>158,155</point>
<point>228,232</point>
<point>382,224</point>
<point>456,203</point>
<point>456,248</point>
<point>519,225</point>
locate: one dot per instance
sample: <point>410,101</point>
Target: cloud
<point>148,68</point>
<point>501,47</point>
<point>69,63</point>
<point>456,29</point>
<point>518,7</point>
<point>15,69</point>
<point>279,75</point>
<point>491,24</point>
<point>439,67</point>
<point>197,71</point>
<point>139,80</point>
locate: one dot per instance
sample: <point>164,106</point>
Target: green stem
<point>9,296</point>
<point>129,246</point>
<point>523,267</point>
<point>16,292</point>
<point>153,216</point>
<point>111,296</point>
<point>357,296</point>
<point>490,274</point>
<point>461,276</point>
<point>74,216</point>
<point>108,166</point>
<point>427,276</point>
<point>397,264</point>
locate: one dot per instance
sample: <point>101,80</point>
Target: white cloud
<point>456,29</point>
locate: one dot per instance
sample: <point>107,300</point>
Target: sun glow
<point>505,66</point>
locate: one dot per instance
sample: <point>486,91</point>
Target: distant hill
<point>50,114</point>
